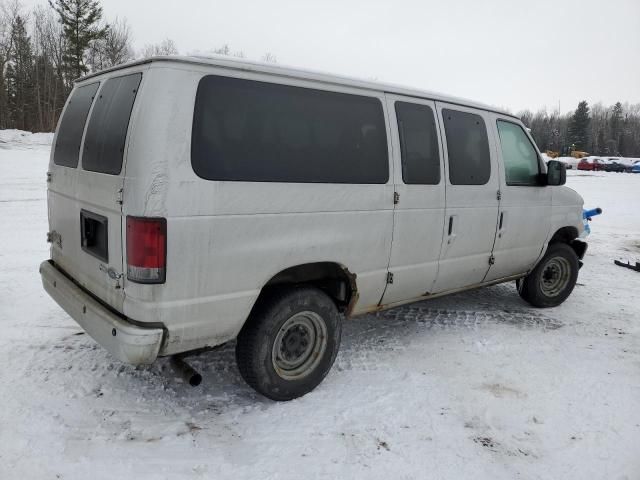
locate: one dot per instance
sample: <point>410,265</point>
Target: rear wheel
<point>553,279</point>
<point>289,343</point>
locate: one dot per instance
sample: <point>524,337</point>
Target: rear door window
<point>418,144</point>
<point>245,130</point>
<point>67,148</point>
<point>468,148</point>
<point>108,125</point>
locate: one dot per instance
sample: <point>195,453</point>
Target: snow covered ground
<point>477,385</point>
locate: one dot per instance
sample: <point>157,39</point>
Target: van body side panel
<point>227,239</point>
<point>472,210</point>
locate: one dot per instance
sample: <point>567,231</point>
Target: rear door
<point>85,186</point>
<point>472,185</point>
<point>419,183</point>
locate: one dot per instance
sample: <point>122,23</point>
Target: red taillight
<point>146,249</point>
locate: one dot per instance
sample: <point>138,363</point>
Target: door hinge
<point>492,260</point>
<point>499,195</point>
<point>49,177</point>
<point>119,197</point>
<point>389,277</point>
<point>396,198</point>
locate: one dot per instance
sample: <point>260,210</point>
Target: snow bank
<point>20,137</point>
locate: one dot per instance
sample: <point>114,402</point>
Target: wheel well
<point>332,278</point>
<point>564,235</point>
<point>569,236</point>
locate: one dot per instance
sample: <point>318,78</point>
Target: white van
<point>193,201</point>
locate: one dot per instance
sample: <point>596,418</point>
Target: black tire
<point>294,318</point>
<point>551,282</point>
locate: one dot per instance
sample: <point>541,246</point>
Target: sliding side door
<point>420,195</point>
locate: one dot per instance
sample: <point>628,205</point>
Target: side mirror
<point>556,173</point>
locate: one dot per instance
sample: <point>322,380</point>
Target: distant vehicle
<point>195,201</point>
<point>628,162</point>
<point>614,166</point>
<point>570,162</point>
<point>591,163</point>
<point>636,167</point>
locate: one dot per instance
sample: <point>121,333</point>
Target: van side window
<point>468,148</point>
<point>418,144</point>
<point>67,148</point>
<point>518,154</point>
<point>108,125</point>
<point>252,131</point>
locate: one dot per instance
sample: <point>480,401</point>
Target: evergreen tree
<point>579,126</point>
<point>80,20</point>
<point>19,77</point>
<point>615,122</point>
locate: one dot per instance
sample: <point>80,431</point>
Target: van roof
<point>299,73</point>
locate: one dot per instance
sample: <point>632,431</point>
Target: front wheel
<point>551,282</point>
<point>289,343</point>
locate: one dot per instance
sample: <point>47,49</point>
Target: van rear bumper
<point>125,341</point>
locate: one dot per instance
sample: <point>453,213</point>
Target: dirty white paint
<point>226,240</point>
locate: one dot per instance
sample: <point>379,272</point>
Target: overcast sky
<point>510,53</point>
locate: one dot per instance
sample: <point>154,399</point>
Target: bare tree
<point>225,50</point>
<point>269,58</point>
<point>9,12</point>
<point>5,47</point>
<point>115,48</point>
<point>118,48</point>
<point>166,47</point>
<point>48,48</point>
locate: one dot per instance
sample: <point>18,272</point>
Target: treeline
<point>599,130</point>
<point>43,50</point>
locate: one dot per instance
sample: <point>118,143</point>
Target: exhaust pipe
<point>186,371</point>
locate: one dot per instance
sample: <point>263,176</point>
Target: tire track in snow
<point>369,338</point>
<point>451,319</point>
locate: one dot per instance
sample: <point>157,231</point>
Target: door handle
<point>501,224</point>
<point>452,236</point>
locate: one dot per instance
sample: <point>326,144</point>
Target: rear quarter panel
<point>227,239</point>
